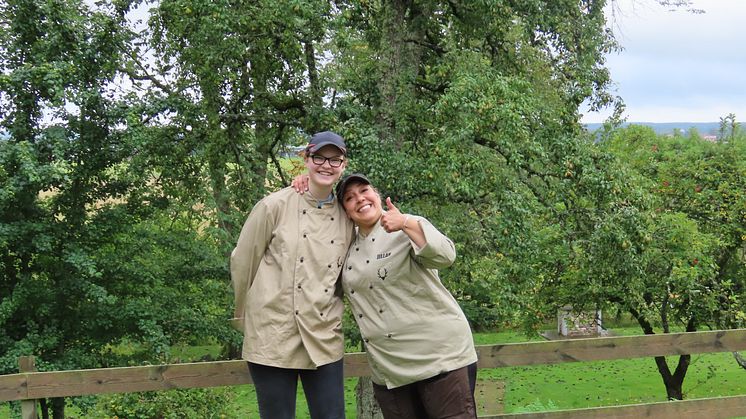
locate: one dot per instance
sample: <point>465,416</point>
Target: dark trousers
<point>276,390</point>
<point>448,395</point>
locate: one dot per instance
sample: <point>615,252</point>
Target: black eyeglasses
<point>320,160</point>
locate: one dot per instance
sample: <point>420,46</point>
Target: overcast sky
<point>677,66</point>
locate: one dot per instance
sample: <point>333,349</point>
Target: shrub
<point>172,404</point>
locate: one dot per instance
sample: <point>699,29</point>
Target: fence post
<point>28,407</point>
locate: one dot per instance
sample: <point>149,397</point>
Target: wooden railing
<point>28,386</point>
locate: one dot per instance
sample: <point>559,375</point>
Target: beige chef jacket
<point>284,271</point>
<point>412,326</point>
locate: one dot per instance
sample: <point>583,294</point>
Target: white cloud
<point>679,66</point>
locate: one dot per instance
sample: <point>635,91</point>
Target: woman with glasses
<point>288,305</point>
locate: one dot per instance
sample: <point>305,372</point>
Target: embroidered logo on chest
<point>383,255</point>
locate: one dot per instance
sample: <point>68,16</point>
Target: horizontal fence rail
<point>38,385</point>
<point>618,347</point>
<point>711,408</point>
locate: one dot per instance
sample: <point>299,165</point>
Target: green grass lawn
<point>608,383</point>
<point>546,387</point>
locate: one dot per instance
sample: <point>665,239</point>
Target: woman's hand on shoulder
<point>300,183</point>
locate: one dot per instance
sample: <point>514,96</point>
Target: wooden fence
<point>28,386</point>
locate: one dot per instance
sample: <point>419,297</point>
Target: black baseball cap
<point>348,180</point>
<point>324,138</point>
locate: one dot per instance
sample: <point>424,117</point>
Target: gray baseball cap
<point>324,138</point>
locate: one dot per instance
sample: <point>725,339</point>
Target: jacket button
<point>360,315</point>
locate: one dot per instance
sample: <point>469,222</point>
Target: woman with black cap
<point>418,341</point>
<point>284,273</point>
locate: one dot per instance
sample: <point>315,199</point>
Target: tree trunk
<point>44,409</point>
<point>367,406</point>
<point>316,123</point>
<point>58,408</point>
<point>740,360</point>
<point>674,382</point>
<point>401,55</point>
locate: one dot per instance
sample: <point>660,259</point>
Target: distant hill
<point>704,128</point>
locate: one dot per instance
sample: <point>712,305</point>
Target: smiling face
<point>324,176</point>
<point>363,205</point>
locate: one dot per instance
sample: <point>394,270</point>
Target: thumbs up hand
<point>393,220</point>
